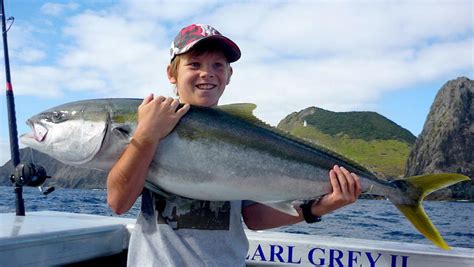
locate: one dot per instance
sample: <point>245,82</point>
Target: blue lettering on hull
<point>320,256</point>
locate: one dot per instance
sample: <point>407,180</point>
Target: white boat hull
<point>56,238</point>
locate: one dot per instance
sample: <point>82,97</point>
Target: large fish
<point>220,153</point>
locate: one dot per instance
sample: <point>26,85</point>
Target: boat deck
<point>57,238</point>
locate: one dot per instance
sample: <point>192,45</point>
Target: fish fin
<point>416,188</point>
<point>285,207</point>
<point>155,189</point>
<point>122,130</point>
<point>241,110</point>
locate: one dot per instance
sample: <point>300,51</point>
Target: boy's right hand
<point>157,117</point>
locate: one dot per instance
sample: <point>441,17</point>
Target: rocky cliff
<point>446,143</point>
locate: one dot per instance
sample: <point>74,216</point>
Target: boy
<point>183,232</point>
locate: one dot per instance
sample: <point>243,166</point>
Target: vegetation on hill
<point>367,126</point>
<point>366,137</point>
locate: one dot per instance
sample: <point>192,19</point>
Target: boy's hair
<point>204,47</point>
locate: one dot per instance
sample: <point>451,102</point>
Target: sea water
<point>366,219</point>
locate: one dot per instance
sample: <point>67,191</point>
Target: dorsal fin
<point>241,110</point>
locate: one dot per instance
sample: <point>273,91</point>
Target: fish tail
<point>414,189</point>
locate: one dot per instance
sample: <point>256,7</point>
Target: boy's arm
<point>346,189</point>
<point>157,117</point>
<point>126,179</point>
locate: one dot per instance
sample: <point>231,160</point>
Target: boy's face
<point>201,80</point>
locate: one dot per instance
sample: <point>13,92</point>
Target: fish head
<point>71,133</point>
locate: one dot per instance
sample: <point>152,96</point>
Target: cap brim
<point>230,49</point>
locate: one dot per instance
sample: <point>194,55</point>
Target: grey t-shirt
<point>183,232</point>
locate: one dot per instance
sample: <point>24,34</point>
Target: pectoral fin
<point>155,189</point>
<point>123,131</point>
<point>285,207</point>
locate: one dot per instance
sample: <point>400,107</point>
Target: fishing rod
<point>25,173</point>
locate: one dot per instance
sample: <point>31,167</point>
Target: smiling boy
<point>182,232</point>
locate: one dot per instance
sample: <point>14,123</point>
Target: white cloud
<point>122,52</point>
<point>108,42</point>
<point>443,58</point>
<point>23,46</point>
<point>174,11</point>
<point>55,9</point>
<point>325,28</point>
<point>31,55</point>
<point>38,80</point>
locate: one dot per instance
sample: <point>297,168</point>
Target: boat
<point>46,238</point>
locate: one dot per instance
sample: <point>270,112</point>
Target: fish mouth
<point>39,132</point>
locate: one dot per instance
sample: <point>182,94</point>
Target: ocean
<point>366,219</point>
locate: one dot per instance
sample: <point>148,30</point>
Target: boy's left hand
<point>346,188</point>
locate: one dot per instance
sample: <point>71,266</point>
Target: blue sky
<point>385,56</point>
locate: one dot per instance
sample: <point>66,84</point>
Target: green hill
<point>366,137</point>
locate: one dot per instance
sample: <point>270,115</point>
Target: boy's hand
<point>346,188</point>
<point>157,117</point>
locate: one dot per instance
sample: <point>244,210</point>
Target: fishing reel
<point>31,175</point>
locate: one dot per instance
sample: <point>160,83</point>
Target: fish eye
<point>58,116</point>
